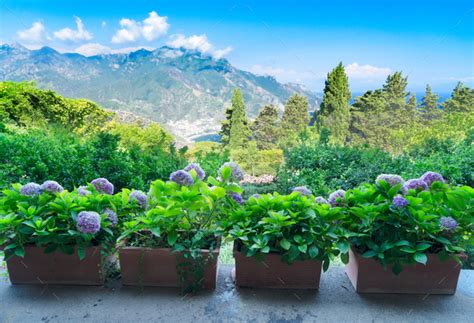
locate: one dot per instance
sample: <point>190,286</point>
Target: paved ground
<point>334,302</point>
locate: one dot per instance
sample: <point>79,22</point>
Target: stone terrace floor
<point>336,301</point>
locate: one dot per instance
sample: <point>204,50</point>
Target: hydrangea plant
<point>53,218</point>
<point>398,230</point>
<point>293,226</point>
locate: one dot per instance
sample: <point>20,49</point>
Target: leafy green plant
<point>293,226</point>
<point>51,220</point>
<point>399,230</point>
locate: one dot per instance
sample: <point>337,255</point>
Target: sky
<point>295,41</point>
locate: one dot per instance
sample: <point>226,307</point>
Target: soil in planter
<point>367,275</point>
<point>56,268</point>
<point>272,272</point>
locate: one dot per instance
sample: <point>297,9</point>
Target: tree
<point>265,128</point>
<point>239,129</point>
<point>412,102</point>
<point>429,104</point>
<point>334,113</point>
<point>395,87</point>
<point>461,100</point>
<point>225,127</point>
<point>295,118</point>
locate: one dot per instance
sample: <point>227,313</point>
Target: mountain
<point>184,90</point>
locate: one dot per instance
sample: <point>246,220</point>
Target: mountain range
<point>184,90</point>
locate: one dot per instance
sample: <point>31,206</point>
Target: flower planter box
<point>436,277</point>
<point>158,267</point>
<point>56,268</point>
<point>272,272</point>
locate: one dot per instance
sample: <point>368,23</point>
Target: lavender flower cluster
<point>448,224</point>
<point>139,197</point>
<point>321,200</point>
<point>237,198</point>
<point>200,173</point>
<point>111,216</point>
<point>237,172</point>
<point>399,201</point>
<point>337,198</point>
<point>391,179</point>
<point>51,187</point>
<point>182,177</point>
<point>30,189</point>
<point>82,190</point>
<point>303,190</point>
<point>88,222</point>
<point>102,185</point>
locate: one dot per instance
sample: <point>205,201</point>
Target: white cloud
<point>149,29</point>
<point>91,49</point>
<point>33,35</point>
<point>103,24</point>
<point>367,72</point>
<point>465,79</point>
<point>198,43</point>
<point>284,75</point>
<point>68,34</point>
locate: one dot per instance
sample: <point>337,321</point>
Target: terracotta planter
<point>56,268</point>
<point>368,276</point>
<point>272,272</point>
<point>158,267</point>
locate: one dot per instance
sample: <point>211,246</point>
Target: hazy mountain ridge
<point>185,90</point>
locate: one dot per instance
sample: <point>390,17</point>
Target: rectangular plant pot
<point>272,272</point>
<point>367,275</point>
<point>158,267</point>
<point>56,268</point>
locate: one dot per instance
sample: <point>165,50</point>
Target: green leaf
<point>313,251</point>
<point>172,237</point>
<point>345,258</point>
<point>369,254</point>
<point>20,252</point>
<point>402,243</point>
<point>343,246</point>
<point>226,173</point>
<point>156,231</point>
<point>326,263</point>
<point>420,257</point>
<point>285,244</point>
<point>397,268</point>
<point>423,246</point>
<point>265,249</point>
<point>298,239</point>
<point>81,252</point>
<point>303,248</point>
<point>408,250</point>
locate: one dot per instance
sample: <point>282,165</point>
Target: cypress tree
<point>412,103</point>
<point>429,104</point>
<point>225,127</point>
<point>239,129</point>
<point>461,100</point>
<point>265,128</point>
<point>395,86</point>
<point>295,118</point>
<point>334,113</point>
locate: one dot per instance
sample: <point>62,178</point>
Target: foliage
<point>258,162</point>
<point>239,128</point>
<point>462,100</point>
<point>295,119</point>
<point>50,220</point>
<point>334,111</point>
<point>265,128</point>
<point>290,225</point>
<point>27,105</point>
<point>429,105</point>
<point>401,235</point>
<point>210,156</point>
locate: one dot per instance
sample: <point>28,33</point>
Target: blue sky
<point>296,41</point>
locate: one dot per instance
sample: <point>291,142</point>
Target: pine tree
<point>412,102</point>
<point>334,113</point>
<point>429,104</point>
<point>265,128</point>
<point>295,118</point>
<point>461,100</point>
<point>395,87</point>
<point>239,129</point>
<point>225,127</point>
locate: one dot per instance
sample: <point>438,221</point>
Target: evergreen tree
<point>395,87</point>
<point>412,102</point>
<point>461,100</point>
<point>265,128</point>
<point>429,104</point>
<point>239,129</point>
<point>295,118</point>
<point>334,113</point>
<point>225,126</point>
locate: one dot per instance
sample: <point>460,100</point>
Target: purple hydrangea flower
<point>199,171</point>
<point>236,197</point>
<point>337,198</point>
<point>431,177</point>
<point>52,187</point>
<point>414,184</point>
<point>82,190</point>
<point>237,172</point>
<point>139,197</point>
<point>448,224</point>
<point>30,189</point>
<point>111,216</point>
<point>88,222</point>
<point>303,190</point>
<point>103,185</point>
<point>399,201</point>
<point>256,196</point>
<point>321,200</point>
<point>182,177</point>
<point>391,179</point>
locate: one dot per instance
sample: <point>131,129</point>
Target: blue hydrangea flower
<point>337,198</point>
<point>30,189</point>
<point>399,201</point>
<point>139,197</point>
<point>102,185</point>
<point>431,177</point>
<point>182,177</point>
<point>236,197</point>
<point>82,190</point>
<point>303,190</point>
<point>391,179</point>
<point>52,187</point>
<point>256,196</point>
<point>237,172</point>
<point>448,224</point>
<point>321,200</point>
<point>111,216</point>
<point>199,171</point>
<point>88,222</point>
<point>414,184</point>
